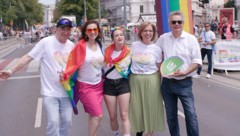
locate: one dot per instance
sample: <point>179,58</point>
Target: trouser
<point>173,89</point>
<point>205,52</point>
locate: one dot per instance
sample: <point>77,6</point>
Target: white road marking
<point>181,114</point>
<point>23,77</point>
<point>11,63</point>
<point>38,117</point>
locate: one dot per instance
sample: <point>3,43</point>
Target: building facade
<point>137,8</point>
<point>48,14</point>
<point>134,9</point>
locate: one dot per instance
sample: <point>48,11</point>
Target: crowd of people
<point>126,78</point>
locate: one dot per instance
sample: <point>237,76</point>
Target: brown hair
<point>84,28</point>
<point>142,26</point>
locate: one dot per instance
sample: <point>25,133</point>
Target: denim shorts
<point>115,87</point>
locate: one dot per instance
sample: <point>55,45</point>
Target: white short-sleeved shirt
<point>207,37</point>
<point>53,56</point>
<point>186,47</point>
<point>145,58</point>
<point>91,70</point>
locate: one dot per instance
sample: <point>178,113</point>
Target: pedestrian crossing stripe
<point>33,66</point>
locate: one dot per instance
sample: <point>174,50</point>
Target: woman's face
<point>92,31</point>
<point>118,37</point>
<point>147,34</point>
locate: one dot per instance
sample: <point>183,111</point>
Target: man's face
<point>176,23</point>
<point>207,27</point>
<point>63,33</point>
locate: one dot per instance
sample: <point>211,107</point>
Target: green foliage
<point>231,4</point>
<point>76,7</point>
<point>19,11</point>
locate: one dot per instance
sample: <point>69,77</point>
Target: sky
<point>47,2</point>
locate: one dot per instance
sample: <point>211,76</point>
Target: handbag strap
<point>110,70</point>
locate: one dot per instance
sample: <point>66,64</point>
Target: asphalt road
<point>217,103</point>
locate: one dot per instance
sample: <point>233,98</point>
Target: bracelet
<point>9,71</point>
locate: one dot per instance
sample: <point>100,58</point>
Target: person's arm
<point>23,61</point>
<point>212,42</point>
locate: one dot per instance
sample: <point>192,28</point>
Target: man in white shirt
<point>207,40</point>
<point>52,52</point>
<point>178,85</point>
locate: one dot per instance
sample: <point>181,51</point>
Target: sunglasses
<point>64,22</point>
<point>95,30</point>
<point>207,26</point>
<point>177,21</point>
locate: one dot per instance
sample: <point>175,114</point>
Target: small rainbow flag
<point>164,7</point>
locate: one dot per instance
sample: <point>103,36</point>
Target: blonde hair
<point>142,26</point>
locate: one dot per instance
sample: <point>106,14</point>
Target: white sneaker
<point>196,76</point>
<point>208,76</point>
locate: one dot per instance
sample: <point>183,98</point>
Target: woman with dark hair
<point>87,59</point>
<point>146,111</point>
<point>117,58</point>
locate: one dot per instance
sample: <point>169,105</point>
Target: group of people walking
<point>128,79</point>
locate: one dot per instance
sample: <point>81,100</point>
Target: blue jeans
<point>59,113</point>
<point>172,90</point>
<point>205,52</point>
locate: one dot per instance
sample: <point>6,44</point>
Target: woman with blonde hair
<point>146,111</point>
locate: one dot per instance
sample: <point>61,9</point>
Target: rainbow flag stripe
<point>164,7</point>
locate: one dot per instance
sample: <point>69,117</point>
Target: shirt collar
<point>183,35</point>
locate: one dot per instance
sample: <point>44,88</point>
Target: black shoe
<point>139,133</point>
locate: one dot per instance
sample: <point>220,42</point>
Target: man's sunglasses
<point>177,21</point>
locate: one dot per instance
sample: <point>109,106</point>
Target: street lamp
<point>85,12</point>
<point>99,13</point>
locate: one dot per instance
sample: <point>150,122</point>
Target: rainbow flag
<point>164,7</point>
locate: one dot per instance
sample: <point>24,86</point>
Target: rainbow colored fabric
<point>75,60</point>
<point>122,62</point>
<point>164,7</point>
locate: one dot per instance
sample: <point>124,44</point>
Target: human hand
<point>61,75</point>
<point>179,73</point>
<point>5,74</point>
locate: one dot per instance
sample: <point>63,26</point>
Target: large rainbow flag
<point>164,7</point>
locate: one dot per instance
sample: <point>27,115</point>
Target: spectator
<point>236,26</point>
<point>207,40</point>
<point>227,31</point>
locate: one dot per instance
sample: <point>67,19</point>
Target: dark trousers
<point>205,52</point>
<point>172,90</point>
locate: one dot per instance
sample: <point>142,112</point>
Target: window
<point>141,8</point>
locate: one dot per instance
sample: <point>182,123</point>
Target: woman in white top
<point>87,59</point>
<point>146,111</point>
<point>117,58</point>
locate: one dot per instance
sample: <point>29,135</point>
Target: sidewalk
<point>232,79</point>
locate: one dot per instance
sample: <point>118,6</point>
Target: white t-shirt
<point>53,56</point>
<point>186,47</point>
<point>145,58</point>
<point>91,70</point>
<point>114,74</point>
<point>207,37</point>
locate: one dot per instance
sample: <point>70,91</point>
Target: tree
<point>76,7</point>
<point>231,4</point>
<point>20,10</point>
